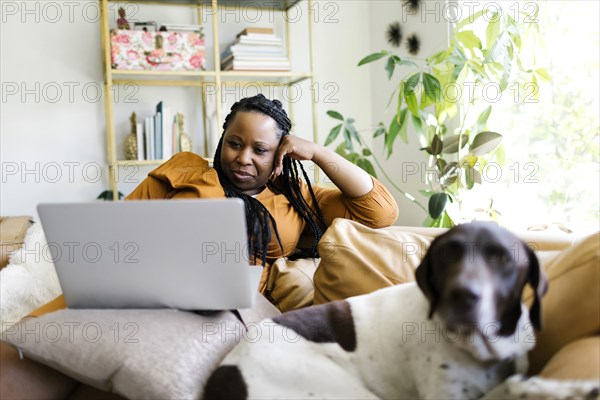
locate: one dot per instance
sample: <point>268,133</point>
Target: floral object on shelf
<point>163,51</point>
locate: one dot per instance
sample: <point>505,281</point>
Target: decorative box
<point>161,51</point>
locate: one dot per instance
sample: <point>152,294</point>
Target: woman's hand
<point>296,148</point>
<point>349,178</point>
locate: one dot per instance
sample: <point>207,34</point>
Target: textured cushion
<point>12,235</point>
<point>357,260</point>
<point>578,360</point>
<point>290,284</point>
<point>136,353</point>
<point>571,307</point>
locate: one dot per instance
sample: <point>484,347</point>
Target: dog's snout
<point>465,296</point>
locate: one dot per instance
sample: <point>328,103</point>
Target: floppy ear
<point>537,280</point>
<point>425,279</point>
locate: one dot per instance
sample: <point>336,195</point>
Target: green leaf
<point>353,134</point>
<point>335,114</point>
<point>391,136</point>
<point>418,124</point>
<point>400,98</point>
<point>380,130</point>
<point>333,134</point>
<point>412,103</point>
<point>440,164</point>
<point>449,174</point>
<point>372,57</point>
<point>485,142</point>
<point>436,145</point>
<point>341,150</point>
<point>492,31</point>
<point>451,143</point>
<point>437,204</point>
<point>469,39</point>
<point>498,50</point>
<point>412,82</point>
<point>433,88</point>
<point>366,152</point>
<point>348,139</point>
<point>410,93</point>
<point>469,19</point>
<point>367,166</point>
<point>389,67</point>
<point>408,63</point>
<point>543,74</point>
<point>482,119</point>
<point>403,133</point>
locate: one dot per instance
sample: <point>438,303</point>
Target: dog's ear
<point>537,280</point>
<point>425,279</point>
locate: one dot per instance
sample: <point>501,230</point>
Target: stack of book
<point>255,49</point>
<point>160,136</point>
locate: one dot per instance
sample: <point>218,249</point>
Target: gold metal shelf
<point>278,5</point>
<point>126,163</point>
<point>126,72</point>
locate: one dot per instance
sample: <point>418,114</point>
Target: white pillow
<point>136,353</point>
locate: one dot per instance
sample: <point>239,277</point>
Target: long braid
<point>257,216</point>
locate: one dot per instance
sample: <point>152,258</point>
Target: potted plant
<point>486,50</point>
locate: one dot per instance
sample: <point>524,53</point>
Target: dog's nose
<point>465,296</point>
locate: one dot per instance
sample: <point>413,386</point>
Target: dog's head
<point>474,275</point>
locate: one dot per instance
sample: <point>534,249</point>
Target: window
<point>551,140</point>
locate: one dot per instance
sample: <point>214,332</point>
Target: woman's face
<point>248,151</point>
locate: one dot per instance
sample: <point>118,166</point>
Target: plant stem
<point>405,194</point>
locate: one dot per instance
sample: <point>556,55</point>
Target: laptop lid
<point>185,254</point>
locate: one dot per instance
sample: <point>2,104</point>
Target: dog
<point>457,332</point>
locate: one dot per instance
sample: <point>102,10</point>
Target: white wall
<point>432,29</point>
<point>52,141</point>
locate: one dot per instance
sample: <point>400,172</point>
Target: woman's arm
<point>352,180</point>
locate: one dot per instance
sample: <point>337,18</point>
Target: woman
<point>256,160</point>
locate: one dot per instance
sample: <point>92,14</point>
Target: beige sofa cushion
<point>578,360</point>
<point>290,283</point>
<point>571,307</point>
<point>357,260</point>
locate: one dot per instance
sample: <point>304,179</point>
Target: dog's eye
<point>453,251</point>
<point>495,253</point>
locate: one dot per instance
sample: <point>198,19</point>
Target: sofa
<point>567,350</point>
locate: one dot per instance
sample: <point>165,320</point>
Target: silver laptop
<point>185,254</point>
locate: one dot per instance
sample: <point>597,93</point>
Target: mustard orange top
<point>187,175</point>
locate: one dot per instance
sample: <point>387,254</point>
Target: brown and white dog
<point>456,333</point>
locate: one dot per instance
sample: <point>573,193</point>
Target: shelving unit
<point>200,79</point>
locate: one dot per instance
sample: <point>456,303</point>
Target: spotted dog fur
<point>456,333</point>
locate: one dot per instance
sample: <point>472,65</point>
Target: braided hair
<point>258,218</point>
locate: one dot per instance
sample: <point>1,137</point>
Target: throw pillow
<point>578,360</point>
<point>356,259</point>
<point>137,353</point>
<point>290,284</point>
<point>571,307</point>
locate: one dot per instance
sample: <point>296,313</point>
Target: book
<point>247,40</point>
<point>255,29</point>
<point>158,136</point>
<point>149,133</point>
<point>139,137</point>
<point>166,125</point>
<point>182,27</point>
